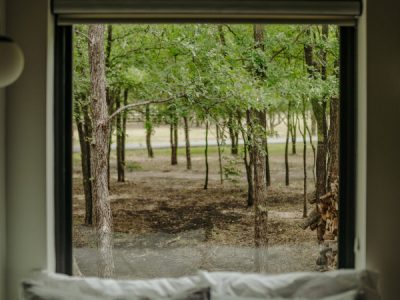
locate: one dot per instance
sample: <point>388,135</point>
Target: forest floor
<point>166,224</point>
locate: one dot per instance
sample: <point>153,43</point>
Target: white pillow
<point>60,287</point>
<point>293,285</point>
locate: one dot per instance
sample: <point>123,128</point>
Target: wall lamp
<point>11,61</point>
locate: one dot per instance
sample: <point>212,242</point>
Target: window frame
<point>63,93</point>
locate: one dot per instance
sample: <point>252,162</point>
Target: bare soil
<point>166,224</point>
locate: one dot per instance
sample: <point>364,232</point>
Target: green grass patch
<point>132,166</point>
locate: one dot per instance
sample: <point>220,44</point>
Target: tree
<point>259,125</point>
<point>187,143</point>
<point>148,124</point>
<point>99,151</point>
<point>81,116</point>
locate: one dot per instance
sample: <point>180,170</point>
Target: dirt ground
<point>166,224</point>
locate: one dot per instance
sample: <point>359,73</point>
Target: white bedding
<point>343,285</point>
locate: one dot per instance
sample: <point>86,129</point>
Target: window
<point>233,96</point>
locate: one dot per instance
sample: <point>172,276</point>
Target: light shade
<point>11,61</point>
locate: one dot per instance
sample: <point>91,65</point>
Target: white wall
<point>2,173</point>
<point>28,136</point>
<point>383,157</point>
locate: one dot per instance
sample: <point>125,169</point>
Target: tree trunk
<point>187,143</point>
<point>260,195</point>
<point>287,146</point>
<point>149,131</point>
<point>319,109</point>
<point>84,131</point>
<point>259,126</point>
<point>234,135</point>
<point>120,146</point>
<point>313,149</point>
<point>304,134</point>
<point>109,97</point>
<point>174,142</point>
<point>99,151</point>
<point>206,156</point>
<point>293,133</point>
<point>219,153</point>
<point>249,163</point>
<point>123,136</point>
<point>267,168</point>
<point>334,140</point>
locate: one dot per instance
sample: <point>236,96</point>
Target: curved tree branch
<point>133,105</point>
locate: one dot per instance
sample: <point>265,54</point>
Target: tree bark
<point>304,134</point>
<point>123,136</point>
<point>267,168</point>
<point>260,195</point>
<point>99,151</point>
<point>219,153</point>
<point>259,126</point>
<point>287,145</point>
<point>187,143</point>
<point>313,149</point>
<point>174,142</point>
<point>293,133</point>
<point>249,163</point>
<point>334,140</point>
<point>109,95</point>
<point>319,109</point>
<point>83,125</point>
<point>206,156</point>
<point>120,146</point>
<point>149,131</point>
<point>234,135</point>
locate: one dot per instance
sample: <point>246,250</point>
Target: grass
<point>274,149</point>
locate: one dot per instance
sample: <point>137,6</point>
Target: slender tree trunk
<point>206,156</point>
<point>313,149</point>
<point>247,163</point>
<point>293,133</point>
<point>250,161</point>
<point>287,146</point>
<point>304,134</point>
<point>267,168</point>
<point>174,142</point>
<point>123,136</point>
<point>84,133</point>
<point>120,146</point>
<point>333,174</point>
<point>149,131</point>
<point>110,99</point>
<point>233,134</point>
<point>221,175</point>
<point>187,143</point>
<point>99,151</point>
<point>109,141</point>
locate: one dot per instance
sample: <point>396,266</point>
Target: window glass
<point>205,146</point>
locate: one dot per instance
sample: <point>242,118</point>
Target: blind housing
<point>341,12</point>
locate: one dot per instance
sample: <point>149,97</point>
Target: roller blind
<point>343,12</point>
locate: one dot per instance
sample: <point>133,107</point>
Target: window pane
<point>209,147</point>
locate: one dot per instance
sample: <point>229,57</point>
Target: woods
<point>237,82</point>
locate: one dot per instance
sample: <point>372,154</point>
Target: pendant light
<point>11,61</point>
